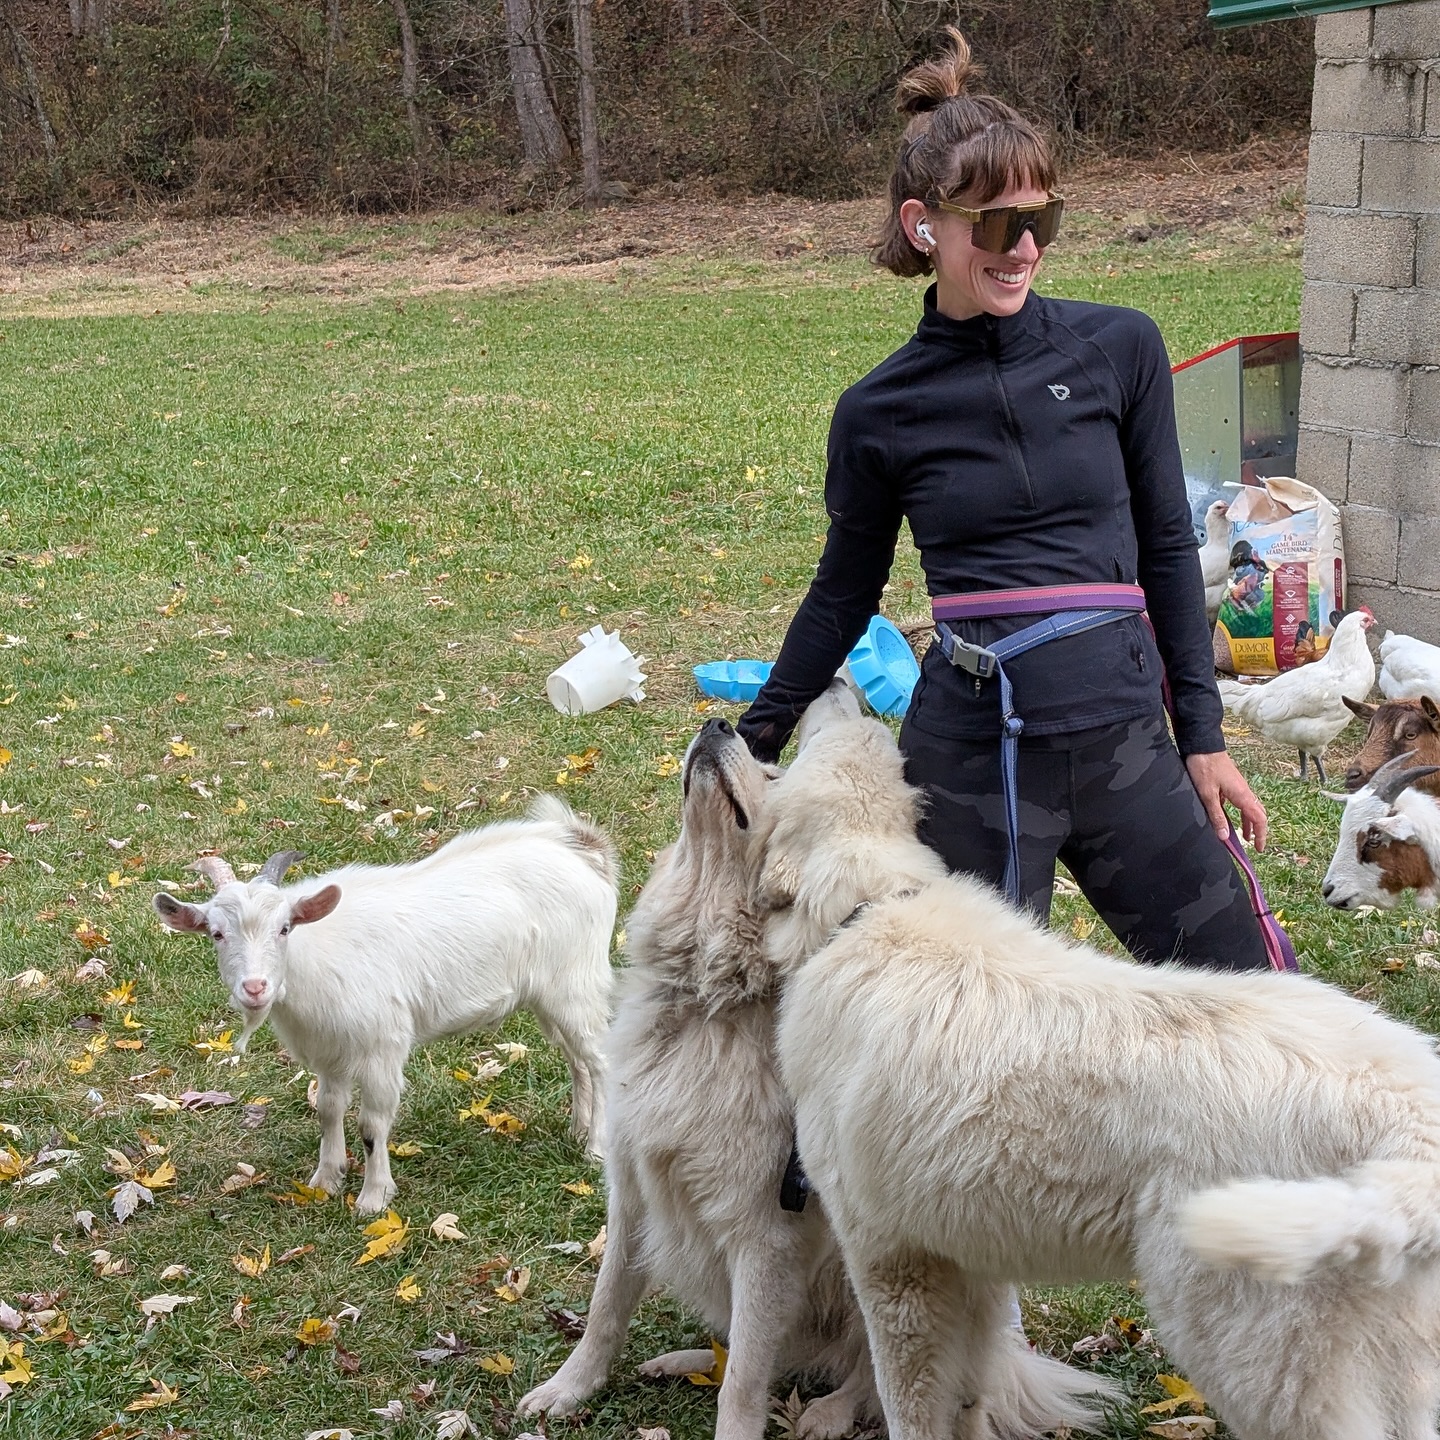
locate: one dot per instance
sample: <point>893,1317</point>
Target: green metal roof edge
<point>1251,12</point>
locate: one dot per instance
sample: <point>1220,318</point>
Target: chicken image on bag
<point>1287,578</point>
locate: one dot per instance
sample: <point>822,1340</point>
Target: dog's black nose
<point>717,725</point>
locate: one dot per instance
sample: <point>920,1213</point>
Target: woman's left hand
<point>1217,780</point>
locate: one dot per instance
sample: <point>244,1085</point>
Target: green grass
<point>333,549</point>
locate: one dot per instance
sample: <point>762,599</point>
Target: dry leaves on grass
<point>497,1364</point>
<point>315,1331</point>
<point>514,1285</point>
<point>387,1237</point>
<point>454,1425</point>
<point>128,1197</point>
<point>156,1307</point>
<point>1183,1427</point>
<point>446,1227</point>
<point>252,1266</point>
<point>157,1395</point>
<point>408,1291</point>
<point>1181,1392</point>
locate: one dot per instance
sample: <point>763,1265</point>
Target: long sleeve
<point>859,549</point>
<point>1169,561</point>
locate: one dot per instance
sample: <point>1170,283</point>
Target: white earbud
<point>924,231</point>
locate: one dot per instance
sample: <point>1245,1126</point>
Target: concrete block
<point>1413,612</point>
<point>1368,99</point>
<point>1401,175</point>
<point>1406,32</point>
<point>1327,319</point>
<point>1425,406</point>
<point>1420,551</point>
<point>1397,325</point>
<point>1344,35</point>
<point>1432,103</point>
<point>1333,177</point>
<point>1353,396</point>
<point>1323,460</point>
<point>1353,249</point>
<point>1427,253</point>
<point>1372,543</point>
<point>1393,473</point>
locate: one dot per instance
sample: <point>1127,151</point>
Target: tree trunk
<point>581,12</point>
<point>687,19</point>
<point>540,130</point>
<point>410,77</point>
<point>97,19</point>
<point>77,17</point>
<point>33,92</point>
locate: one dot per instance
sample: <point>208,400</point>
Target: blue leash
<point>985,661</point>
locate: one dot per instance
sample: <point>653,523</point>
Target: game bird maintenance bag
<point>1287,578</point>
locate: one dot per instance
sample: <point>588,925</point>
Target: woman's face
<point>970,281</point>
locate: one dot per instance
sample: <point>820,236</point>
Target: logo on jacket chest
<point>1060,392</point>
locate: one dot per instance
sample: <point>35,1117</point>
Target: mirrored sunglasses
<point>999,228</point>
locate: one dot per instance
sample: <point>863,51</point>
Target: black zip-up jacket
<point>1033,449</point>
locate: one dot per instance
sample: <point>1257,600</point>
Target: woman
<point>1029,442</point>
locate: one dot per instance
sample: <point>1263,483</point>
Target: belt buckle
<point>974,659</point>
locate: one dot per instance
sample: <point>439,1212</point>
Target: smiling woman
<point>1030,445</point>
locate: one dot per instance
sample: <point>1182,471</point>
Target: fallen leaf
<point>405,1148</point>
<point>254,1115</point>
<point>655,1432</point>
<point>391,1410</point>
<point>596,1248</point>
<point>205,1099</point>
<point>388,1235</point>
<point>1180,1391</point>
<point>335,1432</point>
<point>567,1322</point>
<point>716,1373</point>
<point>31,979</point>
<point>160,1104</point>
<point>408,1291</point>
<point>517,1280</point>
<point>453,1425</point>
<point>579,1187</point>
<point>294,1253</point>
<point>161,1178</point>
<point>300,1194</point>
<point>90,936</point>
<point>129,1044</point>
<point>156,1306</point>
<point>85,1221</point>
<point>175,1272</point>
<point>513,1050</point>
<point>497,1364</point>
<point>122,994</point>
<point>1183,1427</point>
<point>14,1367</point>
<point>667,765</point>
<point>252,1266</point>
<point>347,1361</point>
<point>444,1227</point>
<point>128,1197</point>
<point>157,1395</point>
<point>240,1312</point>
<point>39,1177</point>
<point>244,1177</point>
<point>317,1332</point>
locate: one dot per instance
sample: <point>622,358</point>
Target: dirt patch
<point>158,262</point>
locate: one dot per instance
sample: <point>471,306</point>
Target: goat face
<point>1379,855</point>
<point>1394,728</point>
<point>250,926</point>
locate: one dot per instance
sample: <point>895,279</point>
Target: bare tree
<point>581,12</point>
<point>541,133</point>
<point>97,19</point>
<point>410,77</point>
<point>332,42</point>
<point>26,65</point>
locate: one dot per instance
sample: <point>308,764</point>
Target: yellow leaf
<point>317,1332</point>
<point>583,763</point>
<point>579,1187</point>
<point>252,1266</point>
<point>388,1233</point>
<point>498,1363</point>
<point>161,1178</point>
<point>12,1163</point>
<point>67,702</point>
<point>517,1280</point>
<point>91,936</point>
<point>123,994</point>
<point>182,750</point>
<point>463,1076</point>
<point>503,1123</point>
<point>716,1373</point>
<point>581,562</point>
<point>408,1291</point>
<point>302,1195</point>
<point>238,808</point>
<point>1082,927</point>
<point>416,730</point>
<point>83,1066</point>
<point>5,757</point>
<point>157,1395</point>
<point>216,1045</point>
<point>430,787</point>
<point>1181,1392</point>
<point>16,1369</point>
<point>667,764</point>
<point>130,1022</point>
<point>406,1148</point>
<point>129,1044</point>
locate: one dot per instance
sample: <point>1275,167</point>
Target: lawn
<point>292,574</point>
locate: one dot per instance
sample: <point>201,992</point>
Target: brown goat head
<point>1395,727</point>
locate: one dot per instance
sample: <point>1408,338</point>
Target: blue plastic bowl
<point>885,668</point>
<point>735,680</point>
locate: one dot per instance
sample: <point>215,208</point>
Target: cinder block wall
<point>1370,320</point>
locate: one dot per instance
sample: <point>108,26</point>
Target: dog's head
<point>695,922</point>
<point>837,831</point>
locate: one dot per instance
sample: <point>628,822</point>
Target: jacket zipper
<point>1012,432</point>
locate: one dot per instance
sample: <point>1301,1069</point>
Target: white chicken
<point>1306,707</point>
<point>1409,668</point>
<point>1215,558</point>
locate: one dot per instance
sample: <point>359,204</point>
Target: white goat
<point>1389,841</point>
<point>508,917</point>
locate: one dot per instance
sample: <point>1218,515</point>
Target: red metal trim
<point>1238,340</point>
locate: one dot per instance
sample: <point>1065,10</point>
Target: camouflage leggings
<point>1117,806</point>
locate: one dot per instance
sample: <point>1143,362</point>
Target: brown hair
<point>955,144</point>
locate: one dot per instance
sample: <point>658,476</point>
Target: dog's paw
<point>828,1418</point>
<point>675,1363</point>
<point>551,1398</point>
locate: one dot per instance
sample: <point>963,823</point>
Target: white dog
<point>981,1103</point>
<point>700,1132</point>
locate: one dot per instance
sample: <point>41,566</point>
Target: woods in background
<point>216,105</point>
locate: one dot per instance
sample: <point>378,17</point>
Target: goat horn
<point>1392,777</point>
<point>215,870</point>
<point>273,870</point>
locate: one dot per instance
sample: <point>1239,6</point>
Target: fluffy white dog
<point>700,1132</point>
<point>981,1103</point>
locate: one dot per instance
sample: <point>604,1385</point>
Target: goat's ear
<point>316,906</point>
<point>1396,826</point>
<point>1359,707</point>
<point>176,915</point>
<point>1431,711</point>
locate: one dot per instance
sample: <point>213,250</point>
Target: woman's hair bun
<point>930,84</point>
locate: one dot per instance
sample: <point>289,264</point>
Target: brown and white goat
<point>1389,841</point>
<point>1396,727</point>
